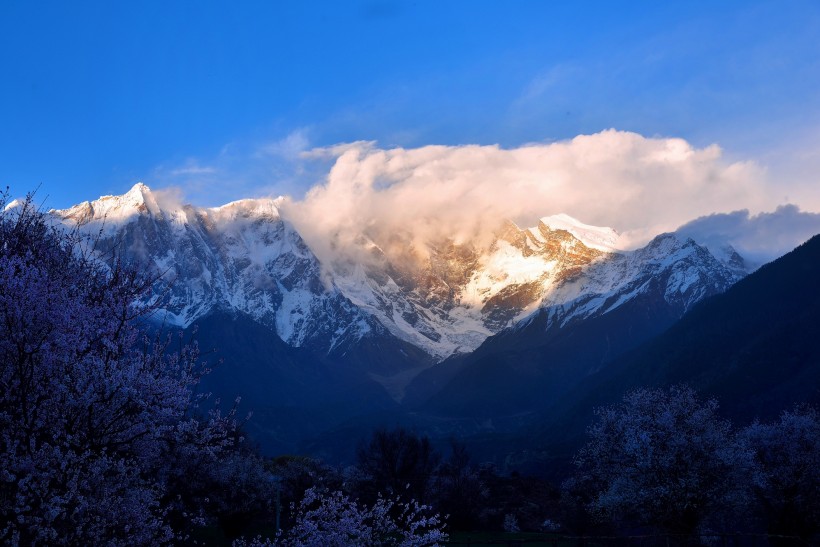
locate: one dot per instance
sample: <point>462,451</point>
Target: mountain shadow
<point>524,369</point>
<point>294,394</point>
<point>755,348</point>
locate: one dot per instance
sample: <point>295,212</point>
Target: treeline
<point>660,462</point>
<point>397,462</point>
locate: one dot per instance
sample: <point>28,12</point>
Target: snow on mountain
<point>594,237</point>
<point>241,256</point>
<point>676,269</point>
<point>448,298</point>
<point>442,296</point>
<point>116,210</point>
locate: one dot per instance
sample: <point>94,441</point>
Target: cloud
<point>637,185</point>
<point>640,186</point>
<point>170,198</point>
<point>243,170</point>
<point>290,147</point>
<point>758,238</point>
<point>192,168</point>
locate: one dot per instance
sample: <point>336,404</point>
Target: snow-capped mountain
<point>448,297</point>
<point>442,296</point>
<point>677,270</point>
<point>511,318</point>
<point>239,257</point>
<point>584,321</point>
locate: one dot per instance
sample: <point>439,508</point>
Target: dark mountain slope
<point>295,394</point>
<point>524,369</point>
<point>756,348</point>
<point>518,371</point>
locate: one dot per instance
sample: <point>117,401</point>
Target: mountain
<point>754,347</point>
<point>240,257</point>
<point>495,325</point>
<point>441,296</point>
<point>603,311</point>
<point>295,394</point>
<point>447,297</point>
<point>241,281</point>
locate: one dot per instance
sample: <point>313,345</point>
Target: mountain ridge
<point>403,327</point>
<point>442,297</point>
<point>752,348</point>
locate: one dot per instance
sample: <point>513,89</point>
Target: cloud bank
<point>637,185</point>
<point>758,238</point>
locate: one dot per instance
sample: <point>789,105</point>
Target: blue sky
<point>95,96</point>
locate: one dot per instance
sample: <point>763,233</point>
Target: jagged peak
<point>595,237</point>
<point>140,200</point>
<point>139,197</point>
<point>139,192</point>
<point>666,242</point>
<point>510,232</point>
<point>115,210</point>
<point>13,204</point>
<point>670,247</point>
<point>267,207</point>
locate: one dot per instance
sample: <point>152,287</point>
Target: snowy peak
<point>594,237</point>
<point>262,208</point>
<point>671,271</point>
<point>139,200</point>
<point>13,204</point>
<point>450,296</point>
<point>443,296</point>
<point>138,197</point>
<point>241,257</point>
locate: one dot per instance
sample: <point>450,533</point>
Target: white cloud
<point>169,199</point>
<point>758,238</point>
<point>289,147</point>
<point>242,170</point>
<point>191,168</point>
<point>640,186</point>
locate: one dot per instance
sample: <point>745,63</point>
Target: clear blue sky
<point>95,96</point>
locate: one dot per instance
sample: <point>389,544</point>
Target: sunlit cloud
<point>758,238</point>
<point>640,186</point>
<point>170,198</point>
<point>192,169</point>
<point>637,185</point>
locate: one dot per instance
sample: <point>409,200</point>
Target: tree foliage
<point>96,420</point>
<point>458,490</point>
<point>334,519</point>
<point>398,461</point>
<point>664,458</point>
<point>788,452</point>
